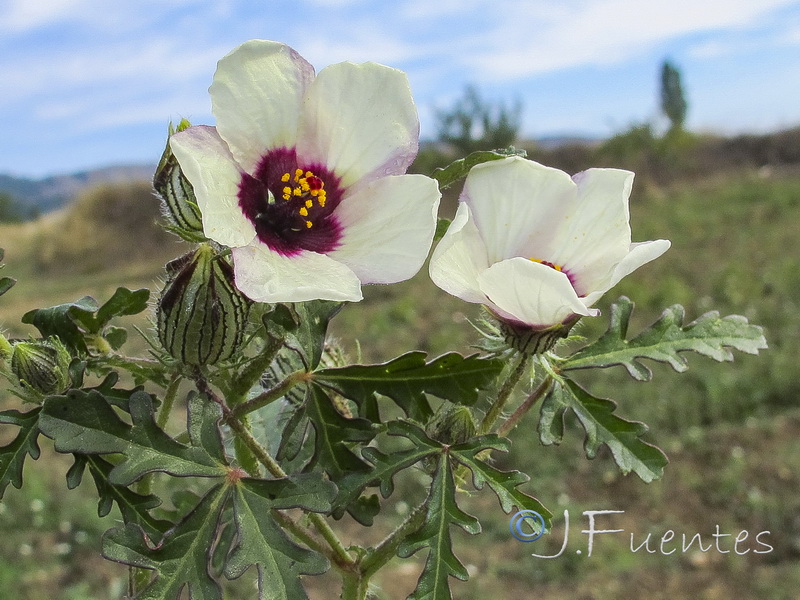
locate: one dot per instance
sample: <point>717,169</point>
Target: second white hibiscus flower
<point>539,247</point>
<point>304,177</point>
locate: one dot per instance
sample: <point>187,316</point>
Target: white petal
<point>360,122</point>
<point>215,176</point>
<point>598,234</point>
<point>388,227</point>
<point>460,258</point>
<point>266,276</point>
<point>532,293</point>
<point>518,206</point>
<point>256,97</point>
<point>640,254</point>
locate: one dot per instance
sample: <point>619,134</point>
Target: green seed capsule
<point>177,194</point>
<point>201,315</point>
<point>42,365</point>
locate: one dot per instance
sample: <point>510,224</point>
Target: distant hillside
<point>38,196</point>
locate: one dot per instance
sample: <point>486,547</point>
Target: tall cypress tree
<point>673,99</point>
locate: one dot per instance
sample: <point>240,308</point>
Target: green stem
<point>254,370</point>
<point>145,485</point>
<point>523,408</point>
<point>354,586</point>
<point>270,395</point>
<point>169,401</point>
<point>504,394</point>
<point>386,549</point>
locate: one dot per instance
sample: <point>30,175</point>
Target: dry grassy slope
<point>108,238</point>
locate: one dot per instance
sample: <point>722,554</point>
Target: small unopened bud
<point>42,365</point>
<point>201,315</point>
<point>177,194</point>
<point>452,425</point>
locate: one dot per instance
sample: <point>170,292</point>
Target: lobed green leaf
<point>602,426</point>
<point>505,484</point>
<point>181,557</point>
<point>262,542</point>
<point>407,378</point>
<point>710,335</point>
<point>85,423</point>
<point>434,534</point>
<point>26,443</point>
<point>134,507</point>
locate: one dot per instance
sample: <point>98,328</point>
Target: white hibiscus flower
<point>539,247</point>
<point>304,177</point>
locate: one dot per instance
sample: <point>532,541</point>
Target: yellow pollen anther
<point>298,191</point>
<point>547,263</point>
<point>309,203</point>
<point>287,190</point>
<point>303,212</point>
<point>309,174</point>
<point>285,177</point>
<point>287,196</point>
<point>308,224</point>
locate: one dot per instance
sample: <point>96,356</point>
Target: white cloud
<point>587,32</point>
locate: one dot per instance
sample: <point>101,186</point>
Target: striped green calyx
<point>177,194</point>
<point>42,365</point>
<point>201,315</point>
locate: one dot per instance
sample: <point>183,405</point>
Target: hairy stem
<point>504,394</point>
<point>270,395</point>
<point>378,556</point>
<point>523,408</point>
<point>169,401</point>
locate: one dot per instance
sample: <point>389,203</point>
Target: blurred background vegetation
<point>730,206</point>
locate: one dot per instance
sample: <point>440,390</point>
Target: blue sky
<point>88,83</point>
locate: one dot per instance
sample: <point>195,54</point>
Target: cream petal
<point>640,254</point>
<point>531,292</point>
<point>256,97</point>
<point>266,276</point>
<point>388,227</point>
<point>518,206</point>
<point>598,235</point>
<point>214,174</point>
<point>359,121</point>
<point>460,258</point>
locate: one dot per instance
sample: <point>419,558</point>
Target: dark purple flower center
<point>291,205</point>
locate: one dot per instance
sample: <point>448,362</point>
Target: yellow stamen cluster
<point>547,263</point>
<point>304,185</point>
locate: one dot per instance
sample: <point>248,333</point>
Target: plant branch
<point>270,395</point>
<point>523,408</point>
<point>504,394</point>
<point>387,548</point>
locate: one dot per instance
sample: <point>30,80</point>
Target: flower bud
<point>42,365</point>
<point>177,194</point>
<point>201,315</point>
<point>452,425</point>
